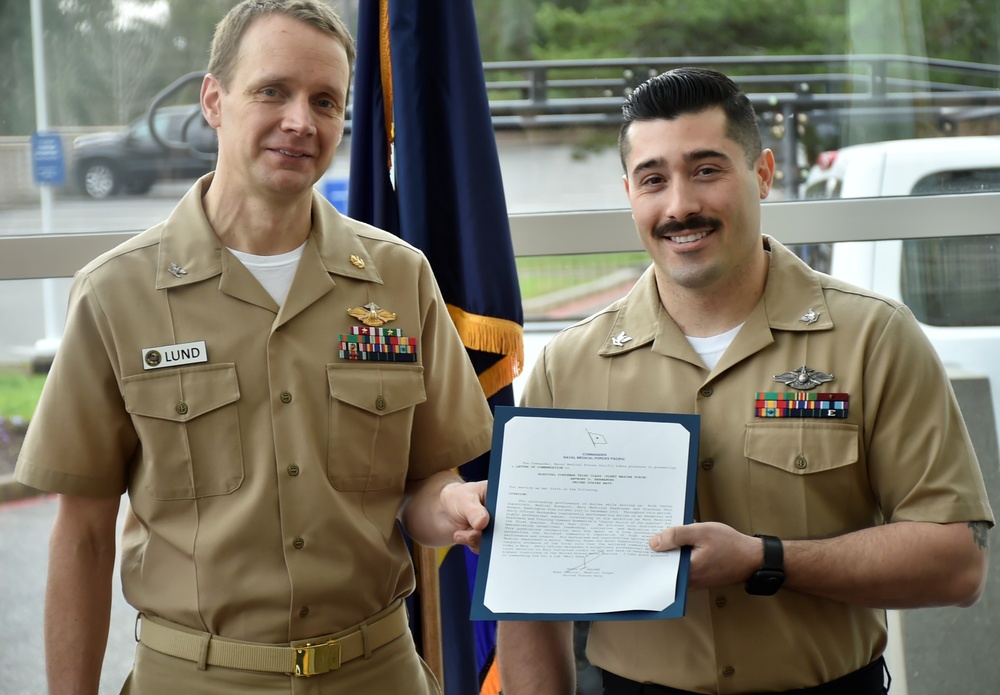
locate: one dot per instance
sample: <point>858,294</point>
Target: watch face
<point>765,582</point>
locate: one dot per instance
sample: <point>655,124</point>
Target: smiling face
<point>281,116</point>
<point>696,200</point>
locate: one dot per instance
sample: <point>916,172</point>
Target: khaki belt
<point>304,658</point>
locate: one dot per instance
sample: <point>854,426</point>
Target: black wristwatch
<point>768,579</point>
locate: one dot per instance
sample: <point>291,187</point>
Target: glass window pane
<point>573,286</point>
<point>953,281</point>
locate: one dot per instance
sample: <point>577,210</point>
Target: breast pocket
<point>371,419</point>
<point>189,430</point>
<point>805,479</point>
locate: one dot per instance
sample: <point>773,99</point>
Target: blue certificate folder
<point>505,414</point>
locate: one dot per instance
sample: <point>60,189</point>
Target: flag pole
<point>429,586</point>
<point>424,166</point>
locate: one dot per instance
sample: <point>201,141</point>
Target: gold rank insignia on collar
<point>803,378</point>
<point>371,314</point>
<point>357,262</point>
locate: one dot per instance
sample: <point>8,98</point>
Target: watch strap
<point>768,579</point>
<point>774,553</point>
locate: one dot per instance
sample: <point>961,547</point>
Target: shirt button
<point>707,391</point>
<point>293,470</point>
<point>729,672</point>
<point>299,543</point>
<point>182,408</point>
<point>286,397</point>
<point>800,462</point>
<point>708,464</point>
<point>304,612</point>
<point>720,602</point>
<point>380,402</point>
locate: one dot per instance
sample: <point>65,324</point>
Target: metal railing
<point>790,94</point>
<point>539,93</point>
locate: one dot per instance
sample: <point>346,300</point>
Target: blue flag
<point>424,166</point>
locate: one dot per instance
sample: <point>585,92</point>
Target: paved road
<point>24,533</point>
<point>71,214</point>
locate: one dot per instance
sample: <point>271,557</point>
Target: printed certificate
<point>574,496</point>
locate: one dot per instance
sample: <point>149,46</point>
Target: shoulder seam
<point>136,243</point>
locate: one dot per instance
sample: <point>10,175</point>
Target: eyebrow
<point>276,78</point>
<point>694,156</point>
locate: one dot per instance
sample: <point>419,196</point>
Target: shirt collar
<point>793,300</point>
<point>190,251</point>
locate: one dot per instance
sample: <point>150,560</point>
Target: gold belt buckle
<point>312,660</point>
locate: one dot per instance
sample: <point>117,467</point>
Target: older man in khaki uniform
<point>836,478</point>
<point>274,385</point>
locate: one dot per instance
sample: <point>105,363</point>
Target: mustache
<point>677,226</point>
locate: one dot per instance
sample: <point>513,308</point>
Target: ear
<point>628,188</point>
<point>211,100</point>
<point>765,172</point>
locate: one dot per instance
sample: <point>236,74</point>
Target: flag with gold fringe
<point>424,165</point>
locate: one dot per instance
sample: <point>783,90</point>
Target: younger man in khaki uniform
<point>808,527</point>
<point>274,385</point>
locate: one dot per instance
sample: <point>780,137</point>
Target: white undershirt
<point>711,349</point>
<point>274,273</point>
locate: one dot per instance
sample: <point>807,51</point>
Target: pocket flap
<point>803,447</point>
<point>377,389</point>
<point>181,394</point>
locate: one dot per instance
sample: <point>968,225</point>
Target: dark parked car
<point>131,160</point>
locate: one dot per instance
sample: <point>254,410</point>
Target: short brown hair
<point>229,31</point>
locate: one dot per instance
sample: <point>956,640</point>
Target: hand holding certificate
<point>574,497</point>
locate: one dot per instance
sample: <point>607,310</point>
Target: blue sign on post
<point>47,162</point>
<point>335,190</point>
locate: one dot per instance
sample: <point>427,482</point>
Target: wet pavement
<point>24,534</point>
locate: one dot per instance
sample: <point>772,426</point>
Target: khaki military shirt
<point>263,481</point>
<point>901,454</point>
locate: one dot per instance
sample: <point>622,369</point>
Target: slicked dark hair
<point>691,90</point>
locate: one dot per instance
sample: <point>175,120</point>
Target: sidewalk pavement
<point>11,490</point>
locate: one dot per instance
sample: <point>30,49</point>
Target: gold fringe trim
<point>385,67</point>
<point>491,684</point>
<point>499,336</point>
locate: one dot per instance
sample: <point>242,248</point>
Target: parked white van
<point>951,283</point>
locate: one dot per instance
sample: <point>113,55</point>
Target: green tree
<point>17,108</point>
<point>677,28</point>
<point>963,30</point>
<point>506,28</point>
